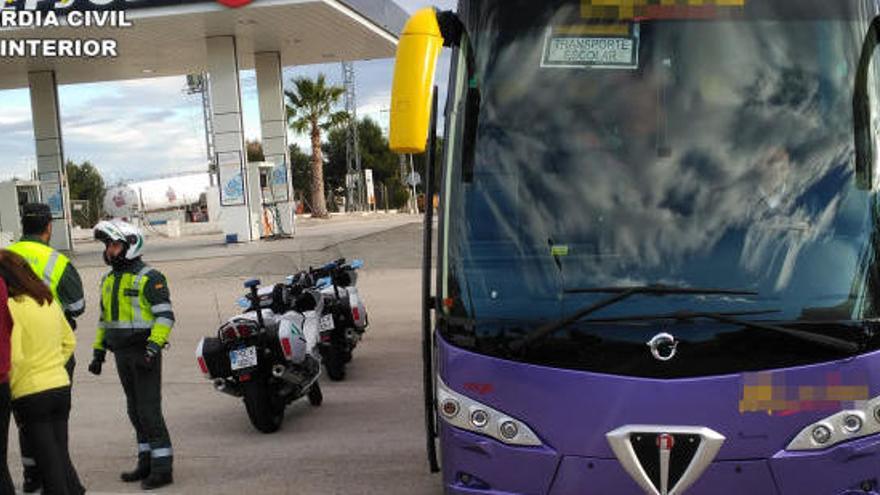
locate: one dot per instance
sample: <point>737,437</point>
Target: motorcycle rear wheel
<point>316,397</point>
<point>334,362</point>
<point>265,414</point>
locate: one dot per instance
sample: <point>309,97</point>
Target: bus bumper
<point>476,465</point>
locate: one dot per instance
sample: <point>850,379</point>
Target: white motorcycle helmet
<point>117,230</point>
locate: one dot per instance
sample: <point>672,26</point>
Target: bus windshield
<point>709,147</point>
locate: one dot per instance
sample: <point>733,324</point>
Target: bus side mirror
<point>411,92</point>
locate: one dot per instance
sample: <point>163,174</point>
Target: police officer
<point>136,319</point>
<point>59,274</point>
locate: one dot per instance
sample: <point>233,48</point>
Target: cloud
<point>133,130</point>
<point>413,5</point>
<point>15,114</point>
<point>18,129</point>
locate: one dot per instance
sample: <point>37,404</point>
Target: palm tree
<point>311,110</point>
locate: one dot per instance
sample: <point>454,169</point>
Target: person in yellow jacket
<point>41,343</point>
<point>63,280</point>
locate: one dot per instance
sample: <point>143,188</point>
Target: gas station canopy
<point>177,37</point>
<point>168,40</point>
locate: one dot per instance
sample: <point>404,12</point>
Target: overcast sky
<point>150,128</point>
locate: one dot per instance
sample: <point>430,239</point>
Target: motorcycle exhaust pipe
<point>227,387</point>
<point>282,373</point>
<point>278,370</point>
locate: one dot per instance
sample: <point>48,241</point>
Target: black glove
<point>151,354</point>
<point>97,361</point>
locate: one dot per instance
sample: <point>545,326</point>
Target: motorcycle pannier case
<point>216,357</point>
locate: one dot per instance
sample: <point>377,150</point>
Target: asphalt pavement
<point>366,438</point>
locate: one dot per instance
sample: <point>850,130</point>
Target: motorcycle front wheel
<point>265,414</point>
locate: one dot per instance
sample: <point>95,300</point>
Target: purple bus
<point>657,245</point>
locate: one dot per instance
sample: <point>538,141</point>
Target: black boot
<point>32,482</point>
<point>142,471</point>
<point>157,479</point>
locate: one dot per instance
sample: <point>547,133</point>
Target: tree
<point>375,155</point>
<point>300,170</point>
<point>310,109</point>
<point>86,183</point>
<point>255,151</point>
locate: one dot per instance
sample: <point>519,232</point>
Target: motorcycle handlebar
<point>335,267</point>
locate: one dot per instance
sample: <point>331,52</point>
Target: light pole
<point>412,174</point>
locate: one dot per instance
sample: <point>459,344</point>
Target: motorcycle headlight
<point>471,415</point>
<point>839,427</point>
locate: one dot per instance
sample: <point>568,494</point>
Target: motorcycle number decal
<point>243,358</point>
<point>327,323</point>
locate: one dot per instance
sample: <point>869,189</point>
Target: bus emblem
<point>665,442</point>
<point>663,346</point>
<point>664,460</point>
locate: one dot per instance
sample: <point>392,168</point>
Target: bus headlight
<point>852,423</point>
<point>509,429</point>
<point>821,434</point>
<point>450,408</point>
<point>479,418</point>
<point>840,427</point>
<point>482,419</point>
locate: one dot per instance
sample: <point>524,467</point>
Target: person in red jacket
<point>6,485</point>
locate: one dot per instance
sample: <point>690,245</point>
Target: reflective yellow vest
<point>46,262</point>
<point>136,314</point>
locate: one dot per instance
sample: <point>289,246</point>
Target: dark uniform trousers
<point>143,394</point>
<point>28,458</point>
<point>43,418</point>
<point>6,485</point>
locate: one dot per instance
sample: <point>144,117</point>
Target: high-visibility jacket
<point>42,341</point>
<point>57,273</point>
<point>135,307</point>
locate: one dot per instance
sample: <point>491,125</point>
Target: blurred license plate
<point>243,358</point>
<point>327,322</point>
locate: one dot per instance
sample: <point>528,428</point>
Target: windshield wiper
<point>620,293</point>
<point>732,318</point>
